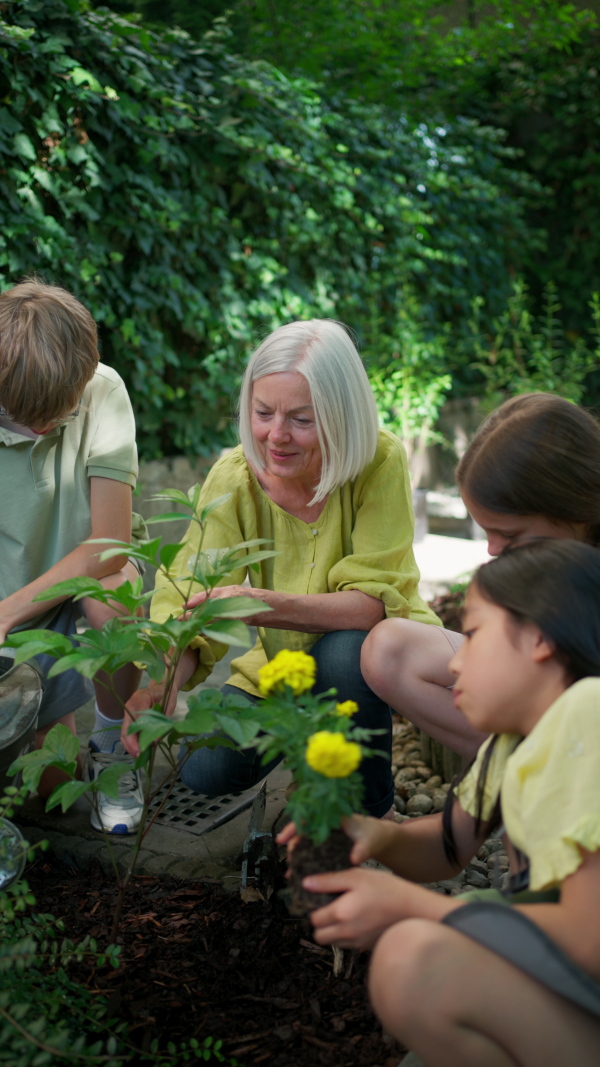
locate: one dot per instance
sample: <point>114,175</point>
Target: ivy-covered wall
<point>195,200</point>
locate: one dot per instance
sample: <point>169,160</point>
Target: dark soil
<point>332,855</point>
<point>198,962</point>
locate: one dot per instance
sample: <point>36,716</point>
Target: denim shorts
<point>66,692</point>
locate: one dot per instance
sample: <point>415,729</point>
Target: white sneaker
<point>123,815</point>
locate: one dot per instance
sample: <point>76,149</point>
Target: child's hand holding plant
<point>323,749</point>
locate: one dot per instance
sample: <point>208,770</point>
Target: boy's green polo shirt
<point>45,499</point>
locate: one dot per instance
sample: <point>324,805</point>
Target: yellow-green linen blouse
<point>549,785</point>
<point>361,540</point>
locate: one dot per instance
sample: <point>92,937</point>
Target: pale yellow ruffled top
<point>549,785</point>
<point>361,540</point>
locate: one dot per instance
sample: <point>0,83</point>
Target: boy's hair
<point>48,353</point>
<point>537,454</point>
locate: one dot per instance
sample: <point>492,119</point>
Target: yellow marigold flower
<point>349,707</point>
<point>295,669</point>
<point>331,755</point>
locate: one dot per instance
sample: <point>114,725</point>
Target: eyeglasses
<point>66,418</point>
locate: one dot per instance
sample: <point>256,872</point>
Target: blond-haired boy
<point>68,465</point>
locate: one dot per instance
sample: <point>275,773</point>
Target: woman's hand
<point>308,613</point>
<point>371,901</point>
<point>234,590</point>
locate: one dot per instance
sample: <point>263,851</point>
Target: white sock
<point>106,732</point>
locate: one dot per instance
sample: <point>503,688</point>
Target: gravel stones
<point>420,804</point>
<point>420,792</point>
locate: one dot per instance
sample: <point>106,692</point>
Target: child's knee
<point>385,641</point>
<point>390,653</point>
<point>403,964</point>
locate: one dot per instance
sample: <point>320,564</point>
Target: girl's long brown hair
<point>537,454</point>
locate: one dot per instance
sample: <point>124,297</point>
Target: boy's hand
<point>370,902</point>
<point>141,701</point>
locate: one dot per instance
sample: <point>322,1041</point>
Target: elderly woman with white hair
<point>316,477</point>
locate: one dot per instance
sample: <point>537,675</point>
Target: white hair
<point>345,412</point>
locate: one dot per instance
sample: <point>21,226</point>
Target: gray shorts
<point>66,692</point>
<point>515,938</point>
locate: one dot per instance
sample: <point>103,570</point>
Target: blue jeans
<point>337,654</point>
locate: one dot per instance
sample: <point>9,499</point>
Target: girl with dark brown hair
<point>532,470</point>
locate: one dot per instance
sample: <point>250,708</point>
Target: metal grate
<point>197,814</point>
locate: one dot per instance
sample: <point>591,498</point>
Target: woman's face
<point>284,427</point>
<point>502,529</point>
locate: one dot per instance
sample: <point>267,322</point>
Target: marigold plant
<point>349,707</point>
<point>322,745</point>
<point>293,669</point>
<point>331,755</point>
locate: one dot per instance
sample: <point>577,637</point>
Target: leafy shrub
<point>196,200</point>
<point>520,352</point>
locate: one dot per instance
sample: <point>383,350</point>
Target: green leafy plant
<point>159,646</point>
<point>321,744</point>
<point>411,386</point>
<point>524,353</point>
<point>195,200</point>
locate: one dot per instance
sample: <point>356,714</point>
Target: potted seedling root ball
<point>323,749</point>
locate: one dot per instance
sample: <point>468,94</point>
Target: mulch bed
<point>198,962</point>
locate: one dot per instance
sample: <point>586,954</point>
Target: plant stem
<point>137,844</point>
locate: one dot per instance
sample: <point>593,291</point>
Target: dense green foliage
<point>549,103</point>
<point>527,67</point>
<point>375,50</point>
<point>195,200</point>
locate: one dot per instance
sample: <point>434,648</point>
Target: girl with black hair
<point>495,979</point>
